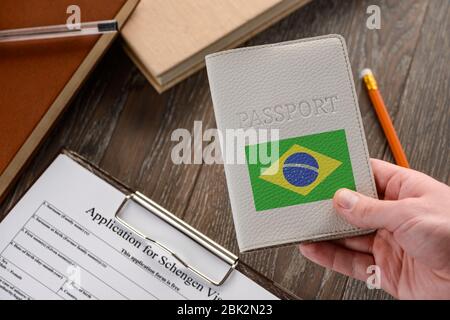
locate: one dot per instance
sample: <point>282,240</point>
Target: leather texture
<point>33,73</point>
<point>251,79</point>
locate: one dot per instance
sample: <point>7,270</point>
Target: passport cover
<point>305,89</point>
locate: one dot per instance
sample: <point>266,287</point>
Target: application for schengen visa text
<point>61,242</point>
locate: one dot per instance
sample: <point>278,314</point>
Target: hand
<point>412,243</point>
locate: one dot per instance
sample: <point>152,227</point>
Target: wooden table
<point>119,122</point>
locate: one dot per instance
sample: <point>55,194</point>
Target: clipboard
<point>132,197</point>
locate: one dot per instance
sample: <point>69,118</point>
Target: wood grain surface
<point>120,123</point>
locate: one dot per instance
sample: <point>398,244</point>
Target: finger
<point>369,213</point>
<point>360,243</point>
<point>342,260</point>
<point>384,172</point>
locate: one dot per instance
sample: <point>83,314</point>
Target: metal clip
<point>184,228</point>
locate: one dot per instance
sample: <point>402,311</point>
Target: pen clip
<point>183,227</point>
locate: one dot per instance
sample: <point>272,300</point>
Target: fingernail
<point>346,199</point>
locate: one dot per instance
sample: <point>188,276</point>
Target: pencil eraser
<point>365,72</point>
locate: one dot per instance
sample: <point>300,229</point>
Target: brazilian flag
<point>309,168</point>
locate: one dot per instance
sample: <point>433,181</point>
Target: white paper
<point>54,245</point>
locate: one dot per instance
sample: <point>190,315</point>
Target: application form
<point>61,242</point>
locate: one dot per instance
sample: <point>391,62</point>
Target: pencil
<point>384,118</point>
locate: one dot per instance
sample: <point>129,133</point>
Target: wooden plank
<point>121,123</point>
<point>424,115</point>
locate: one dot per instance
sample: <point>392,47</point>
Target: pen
<point>59,31</point>
<point>384,118</point>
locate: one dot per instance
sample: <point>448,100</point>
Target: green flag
<point>309,168</point>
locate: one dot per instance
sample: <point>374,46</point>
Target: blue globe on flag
<point>300,169</point>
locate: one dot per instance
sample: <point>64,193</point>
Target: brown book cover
<point>38,78</point>
<point>168,39</point>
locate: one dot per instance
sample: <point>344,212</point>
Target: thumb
<point>369,213</point>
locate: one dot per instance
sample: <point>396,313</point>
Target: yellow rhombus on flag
<point>274,174</point>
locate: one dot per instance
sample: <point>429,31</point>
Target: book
<point>302,92</point>
<point>39,77</point>
<point>168,39</point>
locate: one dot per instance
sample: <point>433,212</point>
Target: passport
<point>302,93</point>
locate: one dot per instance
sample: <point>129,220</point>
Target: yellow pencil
<point>384,118</point>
